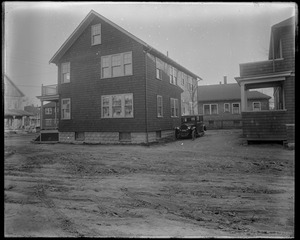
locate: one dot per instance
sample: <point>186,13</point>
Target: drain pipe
<point>146,105</point>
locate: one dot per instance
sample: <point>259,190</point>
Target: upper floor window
<point>65,72</point>
<point>159,68</point>
<point>236,108</point>
<point>256,106</point>
<point>96,34</point>
<point>226,107</point>
<point>174,107</point>
<point>66,108</point>
<point>173,75</point>
<point>48,111</point>
<point>210,109</point>
<point>190,83</point>
<point>159,106</point>
<point>117,106</point>
<point>183,79</point>
<point>116,65</point>
<point>278,49</point>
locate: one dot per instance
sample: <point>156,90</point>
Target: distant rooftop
<point>230,91</point>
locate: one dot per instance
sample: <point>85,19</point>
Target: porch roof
<point>16,113</point>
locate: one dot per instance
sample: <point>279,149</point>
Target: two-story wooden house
<point>14,99</point>
<point>277,72</point>
<point>220,104</point>
<point>113,87</point>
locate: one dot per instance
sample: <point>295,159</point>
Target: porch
<point>49,93</point>
<point>269,125</point>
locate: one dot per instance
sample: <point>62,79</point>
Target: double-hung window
<point>159,106</point>
<point>190,83</point>
<point>183,79</point>
<point>174,107</point>
<point>65,72</point>
<point>256,106</point>
<point>116,65</point>
<point>48,111</point>
<point>66,108</point>
<point>159,68</point>
<point>226,107</point>
<point>235,108</point>
<point>96,34</point>
<point>210,109</point>
<point>117,106</point>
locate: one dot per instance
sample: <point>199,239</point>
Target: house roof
<point>9,81</point>
<point>230,91</point>
<point>16,113</point>
<point>48,105</point>
<point>84,24</point>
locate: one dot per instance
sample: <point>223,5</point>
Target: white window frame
<point>123,106</point>
<point>62,108</point>
<point>65,70</point>
<point>173,75</point>
<point>123,63</point>
<point>227,104</point>
<point>160,111</point>
<point>48,111</point>
<point>233,108</point>
<point>174,102</point>
<point>256,103</point>
<point>184,79</point>
<point>93,34</point>
<point>210,112</point>
<point>159,68</point>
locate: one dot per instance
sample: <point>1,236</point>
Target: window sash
<point>226,107</point>
<point>116,65</point>
<point>174,107</point>
<point>117,106</point>
<point>48,111</point>
<point>235,108</point>
<point>65,72</point>
<point>96,34</point>
<point>159,106</point>
<point>256,106</point>
<point>66,108</point>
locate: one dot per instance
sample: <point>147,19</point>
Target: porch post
<point>55,115</point>
<point>41,115</point>
<point>243,98</point>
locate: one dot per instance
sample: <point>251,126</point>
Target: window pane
<point>105,72</point>
<point>96,39</point>
<point>128,69</point>
<point>214,109</point>
<point>105,61</point>
<point>128,111</point>
<point>116,71</point>
<point>105,111</point>
<point>127,58</point>
<point>116,60</point>
<point>206,110</point>
<point>105,101</point>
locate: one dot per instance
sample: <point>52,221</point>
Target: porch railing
<point>49,90</point>
<point>48,124</point>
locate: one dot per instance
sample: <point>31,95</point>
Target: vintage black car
<point>191,126</point>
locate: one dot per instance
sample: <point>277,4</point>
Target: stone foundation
<point>115,137</point>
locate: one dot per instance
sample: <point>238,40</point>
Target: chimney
<point>225,79</point>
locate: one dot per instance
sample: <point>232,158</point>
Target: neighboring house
<point>34,120</point>
<point>221,104</point>
<point>279,73</point>
<point>14,98</point>
<point>113,87</point>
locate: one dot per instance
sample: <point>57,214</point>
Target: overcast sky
<point>209,39</point>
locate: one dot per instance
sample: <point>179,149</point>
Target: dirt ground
<point>215,186</point>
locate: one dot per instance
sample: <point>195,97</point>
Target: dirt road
<point>214,186</point>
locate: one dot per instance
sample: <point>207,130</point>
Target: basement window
<point>124,136</point>
<point>79,136</point>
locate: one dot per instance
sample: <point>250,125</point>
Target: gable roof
<point>7,82</point>
<point>84,24</point>
<point>230,91</point>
